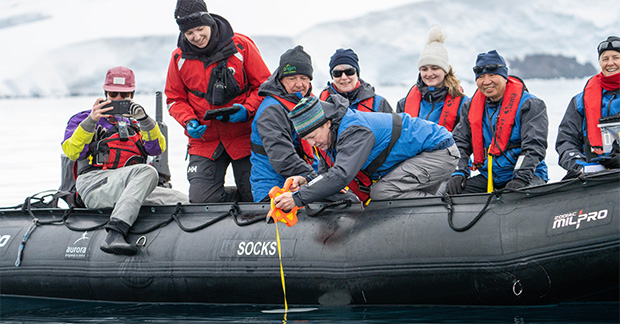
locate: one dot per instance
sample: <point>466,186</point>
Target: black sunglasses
<point>191,17</point>
<point>488,68</point>
<point>113,94</point>
<point>348,72</point>
<point>605,45</point>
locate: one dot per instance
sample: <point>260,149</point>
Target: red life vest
<point>449,112</point>
<point>506,119</point>
<point>114,152</point>
<point>363,105</point>
<point>305,149</point>
<point>592,96</point>
<point>360,185</point>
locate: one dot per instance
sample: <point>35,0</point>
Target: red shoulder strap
<point>449,112</point>
<point>305,150</point>
<point>592,96</point>
<point>412,102</point>
<point>366,104</point>
<point>360,185</point>
<point>324,95</point>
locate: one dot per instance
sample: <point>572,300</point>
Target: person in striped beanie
<point>390,155</point>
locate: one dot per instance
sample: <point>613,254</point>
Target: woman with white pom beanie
<point>437,96</point>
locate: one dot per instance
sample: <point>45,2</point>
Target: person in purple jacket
<point>110,154</point>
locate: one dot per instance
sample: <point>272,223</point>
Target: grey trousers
<point>165,196</point>
<point>124,189</point>
<point>419,176</point>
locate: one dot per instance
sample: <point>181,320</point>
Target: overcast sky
<point>289,17</point>
<point>63,22</point>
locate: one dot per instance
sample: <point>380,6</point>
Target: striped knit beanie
<point>307,116</point>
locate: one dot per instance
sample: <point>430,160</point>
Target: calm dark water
<point>31,310</point>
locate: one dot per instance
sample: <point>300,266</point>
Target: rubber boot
<point>115,243</point>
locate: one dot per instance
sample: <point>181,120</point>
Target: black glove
<point>515,184</point>
<point>611,162</point>
<point>573,173</point>
<point>137,112</point>
<point>455,185</point>
<point>100,133</point>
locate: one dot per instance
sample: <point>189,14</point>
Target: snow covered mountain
<point>64,47</point>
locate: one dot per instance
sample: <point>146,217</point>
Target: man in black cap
<point>213,68</point>
<point>505,128</point>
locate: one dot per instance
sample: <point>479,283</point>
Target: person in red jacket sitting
<point>213,68</point>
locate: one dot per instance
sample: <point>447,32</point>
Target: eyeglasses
<point>114,94</point>
<point>605,45</point>
<point>488,68</point>
<point>348,72</point>
<point>191,17</point>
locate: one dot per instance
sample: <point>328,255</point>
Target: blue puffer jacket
<point>417,135</point>
<point>359,137</point>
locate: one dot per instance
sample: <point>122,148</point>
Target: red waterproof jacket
<point>184,75</point>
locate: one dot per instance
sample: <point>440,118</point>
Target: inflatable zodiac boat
<point>543,245</point>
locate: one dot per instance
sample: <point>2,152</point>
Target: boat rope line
<point>20,251</point>
<point>525,191</point>
<point>27,208</point>
<point>64,220</point>
<point>234,212</point>
<point>449,204</point>
<point>234,209</point>
<point>170,219</point>
<point>583,178</point>
<point>34,200</point>
<point>312,213</point>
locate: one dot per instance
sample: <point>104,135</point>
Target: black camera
<point>121,107</point>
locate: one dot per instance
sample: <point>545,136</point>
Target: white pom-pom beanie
<point>434,52</point>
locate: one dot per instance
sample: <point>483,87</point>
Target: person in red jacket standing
<point>213,68</point>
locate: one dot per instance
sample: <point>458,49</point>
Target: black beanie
<point>295,61</point>
<point>201,16</point>
<point>344,56</point>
